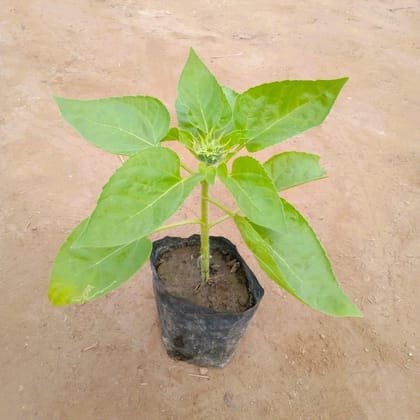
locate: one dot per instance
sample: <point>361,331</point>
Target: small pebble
<point>235,267</point>
<point>410,354</point>
<point>366,350</point>
<point>203,371</point>
<point>227,398</point>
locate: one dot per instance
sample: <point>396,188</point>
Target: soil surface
<point>226,290</point>
<point>105,359</point>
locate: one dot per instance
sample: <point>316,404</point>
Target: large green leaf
<point>254,192</point>
<point>145,191</point>
<point>122,125</point>
<point>296,261</point>
<point>200,103</point>
<point>289,169</point>
<point>273,112</point>
<point>82,274</point>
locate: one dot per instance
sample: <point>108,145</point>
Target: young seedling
<point>214,124</point>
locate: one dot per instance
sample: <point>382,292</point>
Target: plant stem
<point>222,219</point>
<point>222,207</point>
<point>205,247</point>
<point>188,169</point>
<point>172,225</point>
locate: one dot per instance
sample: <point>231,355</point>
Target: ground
<point>104,360</point>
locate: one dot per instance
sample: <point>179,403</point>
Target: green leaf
<point>184,137</point>
<point>232,137</point>
<point>173,134</point>
<point>200,103</point>
<point>83,274</point>
<point>122,125</point>
<point>273,112</point>
<point>145,191</point>
<point>231,95</point>
<point>254,192</point>
<point>289,169</point>
<point>296,261</point>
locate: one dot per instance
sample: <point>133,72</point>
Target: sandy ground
<point>104,360</point>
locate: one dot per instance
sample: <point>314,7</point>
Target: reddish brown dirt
<point>104,360</point>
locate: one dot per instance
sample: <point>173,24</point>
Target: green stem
<point>172,225</point>
<point>222,207</point>
<point>205,248</point>
<point>222,219</point>
<point>188,169</point>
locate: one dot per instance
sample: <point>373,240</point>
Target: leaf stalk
<point>173,225</point>
<point>222,207</point>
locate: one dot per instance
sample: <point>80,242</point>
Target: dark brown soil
<point>226,291</point>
